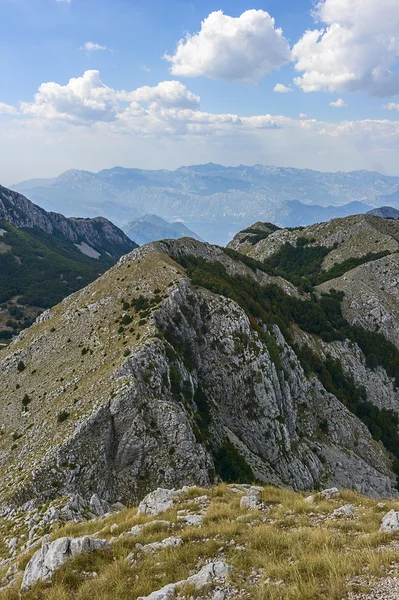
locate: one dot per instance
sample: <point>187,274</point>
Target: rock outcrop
<point>52,555</point>
<point>146,379</point>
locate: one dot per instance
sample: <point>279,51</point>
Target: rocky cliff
<point>186,364</point>
<point>99,234</point>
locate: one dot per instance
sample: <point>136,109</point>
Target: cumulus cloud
<point>280,88</point>
<point>6,109</point>
<point>339,103</point>
<point>83,100</point>
<point>356,50</point>
<point>166,93</point>
<point>93,125</point>
<point>391,106</point>
<point>91,47</point>
<point>242,49</point>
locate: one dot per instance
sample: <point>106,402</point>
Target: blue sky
<point>220,102</point>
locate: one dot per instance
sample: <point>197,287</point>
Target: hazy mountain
<point>151,228</point>
<point>45,256</point>
<point>219,199</point>
<point>386,212</point>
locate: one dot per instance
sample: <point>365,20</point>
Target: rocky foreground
<point>229,541</point>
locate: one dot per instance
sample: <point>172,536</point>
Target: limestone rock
<point>169,542</point>
<point>253,499</point>
<point>166,593</point>
<point>157,502</point>
<point>347,511</point>
<point>213,571</point>
<point>52,555</point>
<point>390,522</point>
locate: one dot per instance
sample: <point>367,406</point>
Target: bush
<point>63,416</point>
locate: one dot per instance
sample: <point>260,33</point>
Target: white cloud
<point>167,93</point>
<point>356,50</point>
<point>91,47</point>
<point>242,49</point>
<point>280,88</point>
<point>391,106</point>
<point>6,109</point>
<point>339,103</point>
<point>89,125</point>
<point>83,100</point>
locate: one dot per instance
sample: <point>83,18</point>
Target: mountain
<point>386,212</point>
<point>151,228</point>
<point>211,199</point>
<point>44,257</point>
<point>296,214</point>
<point>187,364</point>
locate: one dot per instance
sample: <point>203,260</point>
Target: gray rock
<point>52,555</point>
<point>390,522</point>
<point>157,502</point>
<point>194,520</point>
<point>167,543</point>
<point>330,493</point>
<point>253,499</point>
<point>166,593</point>
<point>213,571</point>
<point>347,511</point>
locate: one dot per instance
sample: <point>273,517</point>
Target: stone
<point>167,543</point>
<point>166,593</point>
<point>194,520</point>
<point>347,511</point>
<point>253,499</point>
<point>97,506</point>
<point>330,493</point>
<point>213,571</point>
<point>157,502</point>
<point>52,555</point>
<point>390,522</point>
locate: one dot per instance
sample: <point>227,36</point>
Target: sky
<point>91,84</point>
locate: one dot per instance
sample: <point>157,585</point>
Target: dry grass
<point>290,550</point>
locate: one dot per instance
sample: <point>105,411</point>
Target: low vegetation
<point>284,550</point>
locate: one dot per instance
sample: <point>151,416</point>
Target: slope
<point>44,257</point>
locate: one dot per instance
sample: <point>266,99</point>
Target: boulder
<point>390,522</point>
<point>210,573</point>
<point>347,511</point>
<point>52,555</point>
<point>253,499</point>
<point>167,543</point>
<point>166,593</point>
<point>213,571</point>
<point>330,493</point>
<point>157,502</point>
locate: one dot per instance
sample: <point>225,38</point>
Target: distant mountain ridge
<point>232,197</point>
<point>386,212</point>
<point>44,257</point>
<point>151,228</point>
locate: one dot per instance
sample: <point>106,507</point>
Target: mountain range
<point>214,200</point>
<point>275,359</point>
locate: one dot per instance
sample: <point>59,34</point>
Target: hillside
<point>221,543</point>
<point>151,228</point>
<point>205,195</point>
<point>187,364</point>
<point>44,257</point>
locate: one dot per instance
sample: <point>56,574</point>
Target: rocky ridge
<point>145,379</point>
<point>98,233</point>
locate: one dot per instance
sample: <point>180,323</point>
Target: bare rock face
<point>143,378</point>
<point>98,233</point>
<point>52,555</point>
